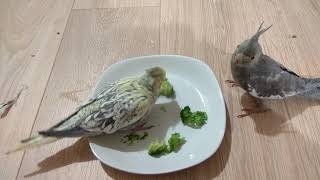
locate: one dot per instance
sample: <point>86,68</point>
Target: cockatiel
<point>264,78</point>
<point>122,105</point>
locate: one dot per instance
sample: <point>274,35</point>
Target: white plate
<point>195,86</point>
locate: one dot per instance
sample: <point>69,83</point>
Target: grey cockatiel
<point>121,105</point>
<point>264,78</point>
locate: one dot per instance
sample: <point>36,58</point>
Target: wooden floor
<point>58,48</point>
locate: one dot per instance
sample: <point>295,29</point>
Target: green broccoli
<point>167,89</point>
<point>193,119</point>
<point>162,108</point>
<point>157,149</point>
<point>175,142</point>
<point>133,137</point>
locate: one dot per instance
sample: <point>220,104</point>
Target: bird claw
<point>141,127</point>
<point>243,115</point>
<point>252,111</point>
<point>230,81</point>
<point>233,83</point>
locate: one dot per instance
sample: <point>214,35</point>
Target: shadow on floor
<point>277,121</point>
<point>78,152</point>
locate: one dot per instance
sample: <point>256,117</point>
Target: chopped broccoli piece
<point>132,138</point>
<point>193,119</point>
<point>167,89</point>
<point>145,134</point>
<point>162,108</point>
<point>175,142</point>
<point>157,148</point>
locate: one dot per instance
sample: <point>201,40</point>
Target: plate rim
<point>122,61</point>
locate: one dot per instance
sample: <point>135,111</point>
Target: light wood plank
<point>85,4</point>
<point>93,40</point>
<point>28,46</point>
<point>265,146</point>
<point>283,144</point>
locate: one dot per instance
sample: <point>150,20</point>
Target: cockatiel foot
<point>233,83</point>
<point>250,111</point>
<point>141,127</point>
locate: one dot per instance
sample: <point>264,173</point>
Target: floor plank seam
<point>134,7</point>
<point>160,9</point>
<point>45,89</point>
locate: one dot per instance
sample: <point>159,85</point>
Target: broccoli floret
<point>185,114</point>
<point>157,149</point>
<point>167,89</point>
<point>193,119</point>
<point>175,142</point>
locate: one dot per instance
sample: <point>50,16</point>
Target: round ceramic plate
<point>195,86</point>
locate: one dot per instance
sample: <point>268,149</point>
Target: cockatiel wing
<point>269,79</point>
<point>112,109</point>
<point>118,106</point>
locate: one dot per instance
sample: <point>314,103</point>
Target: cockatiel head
<point>154,77</point>
<point>250,49</point>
